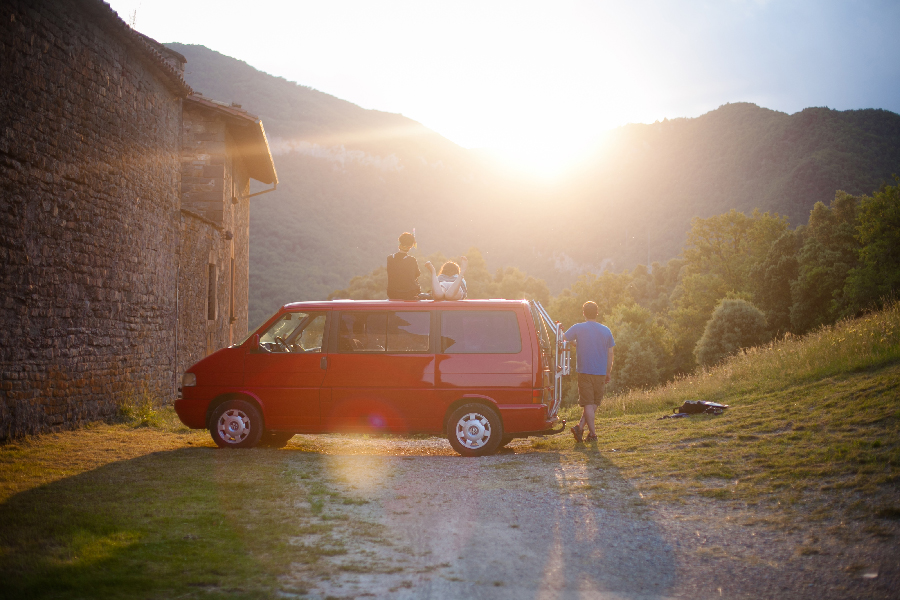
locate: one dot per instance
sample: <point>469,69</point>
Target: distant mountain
<point>353,179</point>
<point>650,180</point>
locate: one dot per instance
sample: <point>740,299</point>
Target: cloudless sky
<point>540,81</point>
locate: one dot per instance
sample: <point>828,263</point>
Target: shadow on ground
<point>200,522</point>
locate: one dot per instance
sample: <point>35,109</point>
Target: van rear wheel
<point>474,430</point>
<point>236,424</point>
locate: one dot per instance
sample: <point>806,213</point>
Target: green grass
<point>814,426</point>
<point>128,511</point>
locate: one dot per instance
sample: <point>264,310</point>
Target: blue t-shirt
<point>593,343</point>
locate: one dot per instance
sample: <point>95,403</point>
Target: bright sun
<point>546,159</point>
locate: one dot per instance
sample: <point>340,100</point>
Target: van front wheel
<point>474,430</point>
<point>236,424</point>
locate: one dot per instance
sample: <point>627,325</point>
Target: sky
<point>537,83</point>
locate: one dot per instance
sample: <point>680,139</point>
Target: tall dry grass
<point>851,345</point>
<point>139,406</point>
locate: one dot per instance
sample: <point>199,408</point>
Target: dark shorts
<point>590,389</point>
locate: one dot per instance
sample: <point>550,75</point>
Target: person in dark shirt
<point>403,271</point>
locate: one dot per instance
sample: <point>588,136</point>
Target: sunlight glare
<point>546,159</point>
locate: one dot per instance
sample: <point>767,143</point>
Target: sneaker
<point>592,437</point>
<point>577,431</point>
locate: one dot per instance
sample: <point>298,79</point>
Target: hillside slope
<point>650,180</point>
<point>813,427</point>
<point>352,179</point>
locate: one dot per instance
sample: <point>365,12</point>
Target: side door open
<point>557,350</point>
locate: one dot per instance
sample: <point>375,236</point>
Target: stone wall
<point>215,231</point>
<point>89,217</point>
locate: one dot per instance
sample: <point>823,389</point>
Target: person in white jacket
<point>449,285</point>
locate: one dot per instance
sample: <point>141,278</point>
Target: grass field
<point>814,426</point>
<point>145,508</point>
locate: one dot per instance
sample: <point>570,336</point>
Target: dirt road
<point>555,525</point>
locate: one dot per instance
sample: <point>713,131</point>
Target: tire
<point>474,430</point>
<point>274,439</point>
<point>236,424</point>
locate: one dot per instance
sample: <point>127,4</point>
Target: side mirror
<point>254,342</point>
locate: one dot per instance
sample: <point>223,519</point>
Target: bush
<point>137,406</point>
<point>642,348</point>
<point>637,365</point>
<point>735,324</point>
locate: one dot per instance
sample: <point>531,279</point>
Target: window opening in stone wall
<point>211,294</point>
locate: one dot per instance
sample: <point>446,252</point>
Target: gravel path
<point>526,524</point>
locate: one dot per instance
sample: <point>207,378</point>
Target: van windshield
<point>295,332</point>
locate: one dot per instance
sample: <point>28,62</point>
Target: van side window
<point>384,331</point>
<point>409,332</point>
<point>480,332</point>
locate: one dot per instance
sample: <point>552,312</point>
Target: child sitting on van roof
<point>403,271</point>
<point>449,285</point>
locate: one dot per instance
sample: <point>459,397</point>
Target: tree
<point>652,288</point>
<point>506,283</point>
<point>728,245</point>
<point>735,324</point>
<point>693,303</point>
<point>878,233</point>
<point>608,290</point>
<point>643,348</point>
<point>829,252</point>
<point>720,253</point>
<point>771,281</point>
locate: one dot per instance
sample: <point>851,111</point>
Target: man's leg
<point>598,389</point>
<point>584,392</point>
<point>588,417</point>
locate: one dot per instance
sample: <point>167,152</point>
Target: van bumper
<point>560,426</point>
<point>192,412</point>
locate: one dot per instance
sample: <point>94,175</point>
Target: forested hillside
<point>353,179</point>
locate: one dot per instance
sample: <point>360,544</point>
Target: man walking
<point>594,360</point>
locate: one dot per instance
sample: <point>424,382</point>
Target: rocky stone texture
<point>215,244</point>
<point>93,241</point>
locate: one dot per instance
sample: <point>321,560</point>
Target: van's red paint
<point>316,392</point>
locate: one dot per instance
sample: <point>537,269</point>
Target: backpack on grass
<point>698,407</point>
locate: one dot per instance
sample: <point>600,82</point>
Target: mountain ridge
<point>352,179</point>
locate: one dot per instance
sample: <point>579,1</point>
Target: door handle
<point>323,364</point>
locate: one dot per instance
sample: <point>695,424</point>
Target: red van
<point>481,372</point>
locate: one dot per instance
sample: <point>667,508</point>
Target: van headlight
<point>188,380</point>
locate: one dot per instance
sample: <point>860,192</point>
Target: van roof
<point>400,304</point>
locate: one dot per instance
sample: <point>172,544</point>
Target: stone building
<point>224,148</point>
<point>124,210</point>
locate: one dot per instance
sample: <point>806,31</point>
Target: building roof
<point>145,48</point>
<point>248,133</point>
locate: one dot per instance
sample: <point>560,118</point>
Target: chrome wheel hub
<point>234,426</point>
<point>473,430</point>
